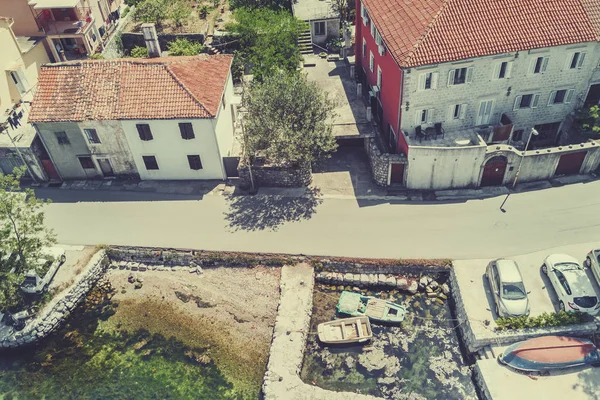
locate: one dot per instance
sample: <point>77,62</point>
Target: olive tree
<point>289,120</point>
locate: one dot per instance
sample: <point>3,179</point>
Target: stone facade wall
<point>381,162</point>
<point>275,176</point>
<point>476,335</point>
<point>131,39</point>
<point>485,86</point>
<point>53,315</point>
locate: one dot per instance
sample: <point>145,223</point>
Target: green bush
<point>544,320</point>
<point>154,11</point>
<point>184,47</point>
<point>203,11</point>
<point>125,11</point>
<point>139,52</point>
<point>97,56</point>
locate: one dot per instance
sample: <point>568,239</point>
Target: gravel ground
<point>231,311</point>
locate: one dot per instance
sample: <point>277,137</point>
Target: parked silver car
<point>508,290</point>
<point>592,261</point>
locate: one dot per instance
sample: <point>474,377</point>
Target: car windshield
<point>513,291</point>
<point>567,266</point>
<point>586,301</point>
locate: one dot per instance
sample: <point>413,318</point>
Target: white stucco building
<point>164,118</point>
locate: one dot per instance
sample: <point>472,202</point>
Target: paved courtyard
<point>334,77</point>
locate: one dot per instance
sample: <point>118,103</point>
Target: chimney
<point>151,39</point>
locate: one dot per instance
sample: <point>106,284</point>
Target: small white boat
<point>345,330</point>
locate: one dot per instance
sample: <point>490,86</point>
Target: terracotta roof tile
<point>158,88</point>
<point>422,32</point>
<point>592,7</point>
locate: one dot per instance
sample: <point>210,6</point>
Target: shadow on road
<point>255,213</point>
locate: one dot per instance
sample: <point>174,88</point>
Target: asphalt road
<point>475,229</point>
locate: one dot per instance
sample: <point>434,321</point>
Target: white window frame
<point>20,81</point>
<point>364,14</point>
<point>543,66</point>
<point>507,71</point>
<point>433,80</point>
<point>457,112</point>
<point>379,77</point>
<point>424,116</point>
<point>324,32</point>
<point>88,135</point>
<point>452,76</point>
<point>535,99</point>
<point>364,48</point>
<point>371,61</point>
<point>373,30</point>
<point>566,99</point>
<point>578,63</point>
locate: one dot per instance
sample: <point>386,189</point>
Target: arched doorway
<point>493,172</point>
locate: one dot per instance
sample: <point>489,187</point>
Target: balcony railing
<point>74,24</point>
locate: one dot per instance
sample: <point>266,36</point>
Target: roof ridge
<point>427,31</point>
<point>187,90</point>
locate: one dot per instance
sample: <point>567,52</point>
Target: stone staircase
<point>305,41</point>
<point>486,353</point>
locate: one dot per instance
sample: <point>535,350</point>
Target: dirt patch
<point>228,311</point>
<point>73,266</point>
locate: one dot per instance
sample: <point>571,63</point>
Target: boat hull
<point>355,304</point>
<point>549,353</point>
<point>345,330</point>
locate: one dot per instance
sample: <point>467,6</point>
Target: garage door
<point>570,164</point>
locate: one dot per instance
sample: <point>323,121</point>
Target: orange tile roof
<point>592,7</point>
<point>155,88</point>
<point>422,32</point>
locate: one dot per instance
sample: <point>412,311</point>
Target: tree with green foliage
<point>155,11</point>
<point>184,47</point>
<point>139,52</point>
<point>275,5</point>
<point>23,235</point>
<point>289,120</point>
<point>267,40</point>
<point>179,12</point>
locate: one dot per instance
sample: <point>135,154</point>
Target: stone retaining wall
<point>381,162</point>
<point>282,379</point>
<point>335,264</point>
<point>275,176</point>
<point>476,335</point>
<point>409,284</point>
<point>52,315</point>
<point>480,383</point>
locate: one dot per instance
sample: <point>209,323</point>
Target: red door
<point>397,175</point>
<point>570,164</point>
<point>50,170</point>
<point>493,172</point>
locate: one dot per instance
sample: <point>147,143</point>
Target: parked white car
<point>571,284</point>
<point>592,261</point>
<point>508,290</point>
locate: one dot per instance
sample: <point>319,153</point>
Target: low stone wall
<point>476,335</point>
<point>275,176</point>
<point>480,383</point>
<point>382,266</point>
<point>282,379</point>
<point>381,162</point>
<point>132,39</point>
<point>409,284</point>
<point>53,315</point>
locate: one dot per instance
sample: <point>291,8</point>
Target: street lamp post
<point>532,133</point>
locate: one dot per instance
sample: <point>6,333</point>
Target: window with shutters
<point>539,66</point>
<point>457,111</point>
<point>526,101</point>
<point>561,96</point>
<point>424,116</point>
<point>187,132</point>
<point>577,59</point>
<point>194,161</point>
<point>379,77</point>
<point>364,14</point>
<point>460,76</point>
<point>62,138</point>
<point>86,162</point>
<point>503,70</point>
<point>144,131</point>
<point>378,39</point>
<point>372,30</point>
<point>428,80</point>
<point>92,136</point>
<point>364,48</point>
<point>371,61</point>
<point>150,162</point>
<point>18,78</point>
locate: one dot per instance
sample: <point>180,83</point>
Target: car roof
<point>508,271</point>
<point>579,283</point>
<point>562,258</point>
